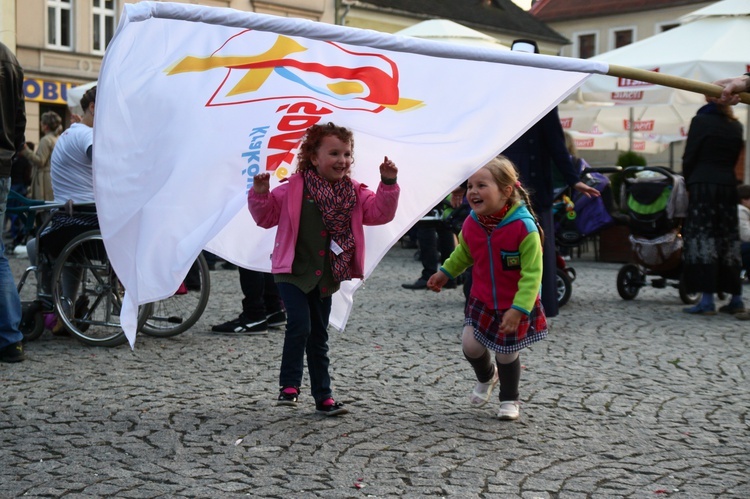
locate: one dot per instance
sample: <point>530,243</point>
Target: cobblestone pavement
<point>625,399</point>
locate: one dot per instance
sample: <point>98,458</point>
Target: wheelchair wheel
<point>564,287</point>
<point>87,294</point>
<point>178,313</point>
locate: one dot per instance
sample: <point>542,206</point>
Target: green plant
<point>625,159</point>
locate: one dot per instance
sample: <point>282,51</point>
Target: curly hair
<point>314,137</point>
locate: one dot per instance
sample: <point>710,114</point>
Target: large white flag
<point>193,101</point>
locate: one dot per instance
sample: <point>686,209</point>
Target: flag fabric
<point>194,101</point>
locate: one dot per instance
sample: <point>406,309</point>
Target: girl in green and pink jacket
<point>501,240</point>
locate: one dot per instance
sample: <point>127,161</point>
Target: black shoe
<point>330,407</point>
<point>242,325</point>
<point>420,283</point>
<point>276,319</point>
<point>288,395</point>
<point>12,353</point>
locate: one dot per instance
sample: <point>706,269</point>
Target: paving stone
<point>624,399</point>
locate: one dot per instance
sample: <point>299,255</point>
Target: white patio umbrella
<point>642,143</point>
<point>443,30</point>
<point>711,45</point>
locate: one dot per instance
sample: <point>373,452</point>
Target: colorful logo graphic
<point>282,68</point>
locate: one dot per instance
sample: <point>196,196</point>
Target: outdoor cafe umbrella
<point>706,48</point>
<point>443,30</point>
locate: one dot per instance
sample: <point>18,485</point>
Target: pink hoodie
<point>283,206</point>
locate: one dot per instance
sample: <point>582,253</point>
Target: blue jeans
<point>10,303</point>
<point>306,333</point>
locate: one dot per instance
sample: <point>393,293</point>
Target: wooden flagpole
<point>671,81</point>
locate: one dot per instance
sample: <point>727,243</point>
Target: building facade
<point>60,43</point>
<point>597,26</point>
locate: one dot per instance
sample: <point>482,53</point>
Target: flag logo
<point>280,67</point>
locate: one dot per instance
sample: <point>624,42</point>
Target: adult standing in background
<point>12,141</point>
<point>535,153</point>
<point>711,253</point>
<point>41,180</point>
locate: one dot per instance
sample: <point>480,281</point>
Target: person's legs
<point>252,284</point>
<point>253,319</point>
<point>509,372</point>
<point>317,346</point>
<point>10,302</point>
<point>295,336</point>
<point>549,263</point>
<point>271,298</point>
<point>484,368</point>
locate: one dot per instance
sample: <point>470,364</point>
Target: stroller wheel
<point>630,280</point>
<point>564,287</point>
<point>687,298</point>
<point>32,320</point>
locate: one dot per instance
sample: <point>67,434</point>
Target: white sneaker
<point>483,391</point>
<point>509,410</point>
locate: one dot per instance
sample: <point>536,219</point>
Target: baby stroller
<point>656,202</point>
<point>578,217</point>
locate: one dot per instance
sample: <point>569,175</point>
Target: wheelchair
<point>82,290</point>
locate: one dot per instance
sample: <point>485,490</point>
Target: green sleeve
<point>459,261</point>
<point>531,273</point>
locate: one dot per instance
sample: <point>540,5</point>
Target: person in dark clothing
<point>711,253</point>
<point>535,153</point>
<point>12,142</point>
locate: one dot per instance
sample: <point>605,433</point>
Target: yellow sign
<point>51,92</point>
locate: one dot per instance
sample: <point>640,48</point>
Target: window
<point>667,26</point>
<point>59,24</point>
<point>586,45</point>
<point>622,37</point>
<point>103,24</point>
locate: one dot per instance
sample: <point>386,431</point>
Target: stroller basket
<point>659,254</point>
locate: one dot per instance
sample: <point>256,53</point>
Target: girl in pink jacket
<point>320,213</point>
<point>501,240</point>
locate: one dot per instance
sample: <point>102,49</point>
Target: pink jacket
<point>283,206</point>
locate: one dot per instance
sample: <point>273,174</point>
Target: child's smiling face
<point>484,195</point>
<point>333,159</point>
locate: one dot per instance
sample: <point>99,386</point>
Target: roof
<point>494,15</point>
<point>563,10</point>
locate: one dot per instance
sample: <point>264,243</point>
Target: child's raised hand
<point>437,281</point>
<point>511,319</point>
<point>261,183</point>
<point>388,169</point>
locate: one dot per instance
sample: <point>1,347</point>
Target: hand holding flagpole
<point>708,89</point>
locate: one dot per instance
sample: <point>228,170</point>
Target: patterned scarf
<point>335,202</point>
<point>489,222</point>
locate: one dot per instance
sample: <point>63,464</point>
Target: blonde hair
<point>504,173</point>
